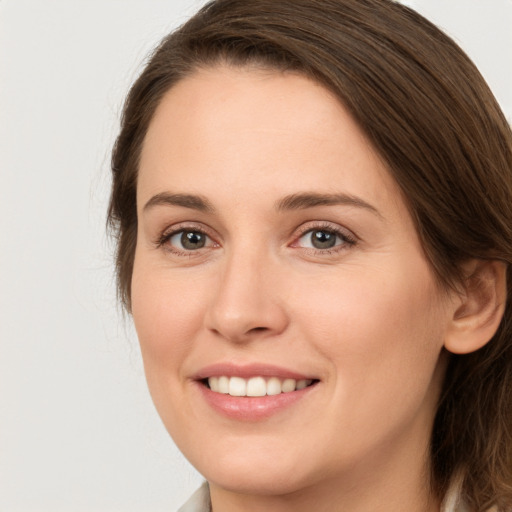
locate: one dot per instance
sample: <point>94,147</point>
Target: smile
<point>255,386</point>
<point>254,391</point>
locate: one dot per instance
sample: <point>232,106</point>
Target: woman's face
<point>275,252</point>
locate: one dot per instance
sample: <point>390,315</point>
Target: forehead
<point>252,128</point>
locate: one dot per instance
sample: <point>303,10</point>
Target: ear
<point>479,307</point>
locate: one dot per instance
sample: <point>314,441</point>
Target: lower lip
<point>246,408</point>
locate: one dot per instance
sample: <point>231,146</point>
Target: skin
<point>365,317</point>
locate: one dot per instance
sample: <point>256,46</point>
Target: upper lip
<point>247,371</point>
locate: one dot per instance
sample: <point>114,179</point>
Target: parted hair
<point>430,115</point>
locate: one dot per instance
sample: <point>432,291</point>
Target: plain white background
<point>77,427</point>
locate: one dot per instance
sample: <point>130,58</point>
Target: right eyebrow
<point>191,201</point>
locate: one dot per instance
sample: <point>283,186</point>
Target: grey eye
<point>189,240</point>
<point>320,239</point>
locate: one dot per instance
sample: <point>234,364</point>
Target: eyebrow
<point>300,201</point>
<point>310,200</point>
<point>191,201</point>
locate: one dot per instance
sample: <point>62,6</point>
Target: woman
<point>312,200</point>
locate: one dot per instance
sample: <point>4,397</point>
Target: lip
<point>250,409</point>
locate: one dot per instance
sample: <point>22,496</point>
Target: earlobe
<point>480,307</point>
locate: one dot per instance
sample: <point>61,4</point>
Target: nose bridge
<point>246,302</point>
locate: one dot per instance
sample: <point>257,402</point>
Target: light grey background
<point>78,431</point>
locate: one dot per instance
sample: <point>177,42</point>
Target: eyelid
<point>328,226</point>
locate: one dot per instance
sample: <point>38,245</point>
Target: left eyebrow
<point>306,200</point>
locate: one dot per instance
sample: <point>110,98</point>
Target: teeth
<point>256,386</point>
<point>273,386</point>
<point>301,384</point>
<point>237,386</point>
<point>224,385</point>
<point>288,385</point>
<point>213,382</point>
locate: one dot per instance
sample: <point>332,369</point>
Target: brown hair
<point>429,113</point>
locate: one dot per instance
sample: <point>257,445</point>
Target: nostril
<point>257,329</point>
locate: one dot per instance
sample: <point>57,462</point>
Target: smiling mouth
<point>255,386</point>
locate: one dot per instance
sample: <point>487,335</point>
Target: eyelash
<point>347,238</point>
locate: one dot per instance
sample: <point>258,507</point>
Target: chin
<point>256,470</point>
<point>257,481</point>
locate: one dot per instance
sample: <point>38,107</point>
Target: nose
<point>247,303</point>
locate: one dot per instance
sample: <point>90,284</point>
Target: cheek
<point>383,328</point>
<point>382,336</point>
<point>167,316</point>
